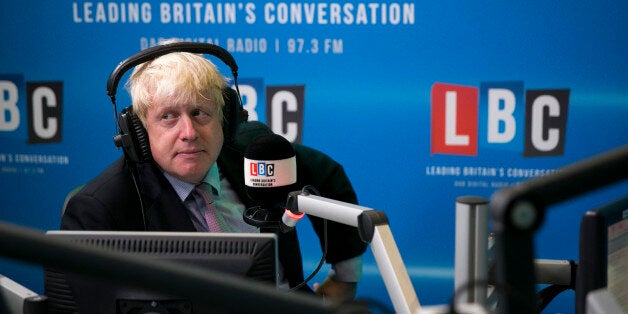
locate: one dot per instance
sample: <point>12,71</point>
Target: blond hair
<point>180,76</point>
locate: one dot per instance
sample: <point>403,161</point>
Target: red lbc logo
<point>261,169</point>
<point>466,117</point>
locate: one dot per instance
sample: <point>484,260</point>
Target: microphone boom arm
<point>374,229</point>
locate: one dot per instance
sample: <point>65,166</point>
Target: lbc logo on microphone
<point>261,169</point>
<point>498,115</point>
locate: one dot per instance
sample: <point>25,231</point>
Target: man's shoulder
<point>114,179</point>
<point>248,131</point>
<point>313,157</point>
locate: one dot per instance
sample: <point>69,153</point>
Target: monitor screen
<point>603,253</point>
<point>250,255</point>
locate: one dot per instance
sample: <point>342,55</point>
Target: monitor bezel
<point>69,292</point>
<point>592,273</point>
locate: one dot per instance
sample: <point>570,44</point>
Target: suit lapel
<point>163,209</point>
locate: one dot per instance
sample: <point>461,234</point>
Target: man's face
<point>185,138</point>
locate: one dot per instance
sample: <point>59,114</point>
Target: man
<point>178,99</point>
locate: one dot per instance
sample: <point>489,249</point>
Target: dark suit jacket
<point>110,201</point>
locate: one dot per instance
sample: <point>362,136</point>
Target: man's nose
<point>188,128</point>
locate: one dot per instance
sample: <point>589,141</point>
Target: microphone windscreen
<point>270,168</point>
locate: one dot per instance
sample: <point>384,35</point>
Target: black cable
<point>134,175</point>
<point>320,263</point>
<point>322,260</point>
<point>548,294</point>
<point>139,195</point>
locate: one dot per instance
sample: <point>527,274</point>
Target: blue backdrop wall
<point>421,101</point>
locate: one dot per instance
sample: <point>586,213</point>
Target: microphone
<point>270,173</point>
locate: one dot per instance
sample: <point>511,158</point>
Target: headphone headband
<point>158,51</point>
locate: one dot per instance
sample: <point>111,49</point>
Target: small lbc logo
<point>261,169</point>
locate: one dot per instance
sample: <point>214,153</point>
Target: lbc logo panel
<point>498,114</point>
<point>44,104</point>
<point>283,109</point>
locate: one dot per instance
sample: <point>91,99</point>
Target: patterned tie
<point>210,212</point>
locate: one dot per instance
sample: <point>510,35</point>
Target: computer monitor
<point>603,253</point>
<point>250,255</point>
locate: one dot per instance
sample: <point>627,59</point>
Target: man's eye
<point>199,113</point>
<point>167,116</point>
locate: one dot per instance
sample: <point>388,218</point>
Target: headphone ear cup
<point>133,138</point>
<point>233,113</point>
<point>141,139</point>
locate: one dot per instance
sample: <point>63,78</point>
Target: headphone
<point>132,136</point>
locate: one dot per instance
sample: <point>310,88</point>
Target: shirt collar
<point>184,189</point>
<point>213,178</point>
